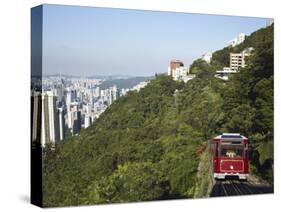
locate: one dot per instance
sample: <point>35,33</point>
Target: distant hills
<point>103,77</point>
<point>121,81</point>
<point>124,83</point>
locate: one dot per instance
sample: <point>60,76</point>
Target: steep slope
<point>248,103</point>
<point>220,58</point>
<point>147,145</point>
<point>141,148</point>
<point>248,98</point>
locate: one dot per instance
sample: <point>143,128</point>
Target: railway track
<point>236,187</point>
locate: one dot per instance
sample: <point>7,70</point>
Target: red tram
<point>229,156</point>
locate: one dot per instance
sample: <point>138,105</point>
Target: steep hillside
<point>248,97</point>
<point>248,102</point>
<point>142,148</point>
<point>147,145</point>
<point>220,58</point>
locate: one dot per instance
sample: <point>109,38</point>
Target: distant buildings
<point>236,41</point>
<point>269,22</point>
<point>174,64</point>
<point>207,57</point>
<point>113,94</point>
<point>87,121</point>
<point>237,61</point>
<point>224,74</point>
<point>124,91</point>
<point>140,86</point>
<point>85,102</point>
<point>66,106</point>
<point>178,71</point>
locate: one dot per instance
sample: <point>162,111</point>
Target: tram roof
<point>230,136</point>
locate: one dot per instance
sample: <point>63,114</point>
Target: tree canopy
<point>147,144</point>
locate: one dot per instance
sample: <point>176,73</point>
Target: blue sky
<point>101,41</point>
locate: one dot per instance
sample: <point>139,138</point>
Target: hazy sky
<point>100,41</point>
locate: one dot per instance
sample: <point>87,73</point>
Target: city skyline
<point>69,105</point>
<point>89,41</point>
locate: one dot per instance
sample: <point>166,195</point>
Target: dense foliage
<point>143,147</point>
<point>199,65</point>
<point>147,145</point>
<point>248,102</point>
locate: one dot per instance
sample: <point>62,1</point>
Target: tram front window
<point>231,151</point>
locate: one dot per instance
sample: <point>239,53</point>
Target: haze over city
<point>91,41</point>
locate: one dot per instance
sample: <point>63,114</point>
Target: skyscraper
<point>87,121</point>
<point>36,106</point>
<point>115,94</point>
<point>76,122</point>
<point>50,121</point>
<point>61,113</point>
<point>69,98</point>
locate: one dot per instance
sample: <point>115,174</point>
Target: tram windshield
<point>231,151</point>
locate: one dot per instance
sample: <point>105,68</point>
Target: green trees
<point>244,104</point>
<point>200,65</point>
<point>129,182</point>
<point>248,101</point>
<point>221,58</point>
<point>179,162</point>
<point>139,149</point>
<point>263,91</point>
<point>145,146</point>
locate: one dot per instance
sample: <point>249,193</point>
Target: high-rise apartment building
<point>50,121</point>
<point>174,64</point>
<point>76,122</point>
<point>36,106</point>
<point>61,113</point>
<point>87,121</point>
<point>115,93</point>
<point>177,70</point>
<point>238,60</point>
